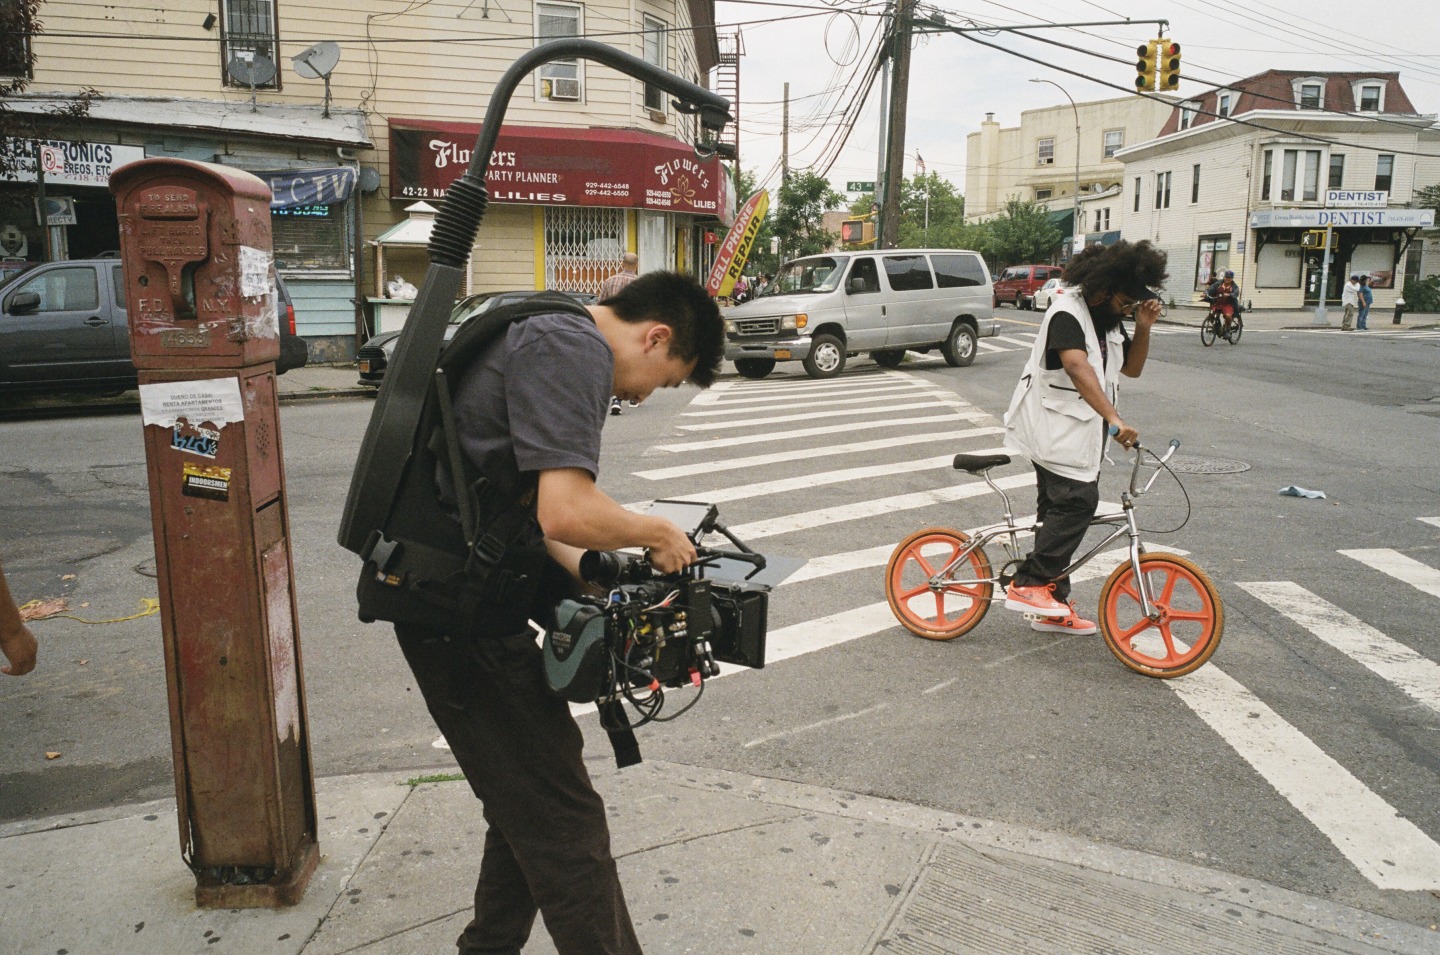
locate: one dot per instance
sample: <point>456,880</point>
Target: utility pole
<point>889,232</point>
<point>880,147</point>
<point>784,154</point>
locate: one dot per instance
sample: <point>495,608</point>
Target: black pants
<point>1065,507</point>
<point>548,845</point>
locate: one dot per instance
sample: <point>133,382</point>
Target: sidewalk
<point>713,863</point>
<point>1276,319</point>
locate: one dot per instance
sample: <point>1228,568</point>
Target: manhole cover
<point>1189,464</point>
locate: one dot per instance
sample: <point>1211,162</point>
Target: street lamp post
<point>1075,213</point>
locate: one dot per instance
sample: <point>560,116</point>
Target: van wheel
<point>888,357</point>
<point>826,358</point>
<point>754,367</point>
<point>1019,300</point>
<point>959,349</point>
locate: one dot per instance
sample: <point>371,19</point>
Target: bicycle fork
<point>1142,580</point>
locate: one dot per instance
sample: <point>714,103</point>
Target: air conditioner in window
<point>561,88</point>
<point>1044,161</point>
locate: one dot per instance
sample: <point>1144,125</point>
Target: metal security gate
<point>583,246</point>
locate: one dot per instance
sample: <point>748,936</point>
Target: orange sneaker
<point>1039,599</point>
<point>1073,623</point>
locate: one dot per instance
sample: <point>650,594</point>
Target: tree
<point>1428,197</point>
<point>1022,233</point>
<point>803,200</point>
<point>946,212</point>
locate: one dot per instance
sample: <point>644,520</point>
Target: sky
<point>820,49</point>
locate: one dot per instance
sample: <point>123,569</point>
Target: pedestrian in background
<point>1350,298</point>
<point>629,269</point>
<point>1367,298</point>
<point>16,641</point>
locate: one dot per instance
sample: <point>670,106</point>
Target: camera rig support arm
<point>390,436</point>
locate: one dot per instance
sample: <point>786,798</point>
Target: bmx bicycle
<point>1159,613</point>
<point>1213,326</point>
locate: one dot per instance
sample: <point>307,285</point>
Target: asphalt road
<point>1044,731</point>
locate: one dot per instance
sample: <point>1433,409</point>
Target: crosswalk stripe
<point>1397,565</point>
<point>990,347</point>
<point>1016,341</point>
<point>887,387</point>
<point>939,402</point>
<point>1388,659</point>
<point>805,520</point>
<point>804,481</point>
<point>809,386</point>
<point>846,427</point>
<point>805,454</point>
<point>1434,521</point>
<point>1390,851</point>
<point>891,394</point>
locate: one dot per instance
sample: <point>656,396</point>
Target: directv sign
<point>1340,218</point>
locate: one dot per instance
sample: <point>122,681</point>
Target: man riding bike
<point>1224,298</point>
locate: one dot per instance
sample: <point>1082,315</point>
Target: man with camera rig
<point>528,412</point>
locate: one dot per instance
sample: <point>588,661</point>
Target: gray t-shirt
<point>536,399</point>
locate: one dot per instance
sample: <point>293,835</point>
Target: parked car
<point>375,354</point>
<point>1018,284</point>
<point>822,309</point>
<point>1045,294</point>
<point>63,327</point>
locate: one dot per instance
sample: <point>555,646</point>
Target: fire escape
<point>727,84</point>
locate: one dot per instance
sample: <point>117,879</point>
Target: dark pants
<point>548,845</point>
<point>1065,507</point>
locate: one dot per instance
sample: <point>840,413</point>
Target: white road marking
<point>950,401</point>
<point>1392,852</point>
<point>887,387</point>
<point>805,454</point>
<point>729,407</point>
<point>844,428</point>
<point>1391,660</point>
<point>812,726</point>
<point>1434,521</point>
<point>805,481</point>
<point>1420,576</point>
<point>806,520</point>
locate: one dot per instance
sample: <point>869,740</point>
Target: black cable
<point>1183,493</point>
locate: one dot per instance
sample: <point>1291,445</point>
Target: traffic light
<point>857,232</point>
<point>1169,65</point>
<point>1313,239</point>
<point>1145,66</point>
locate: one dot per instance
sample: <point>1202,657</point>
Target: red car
<point>1018,284</point>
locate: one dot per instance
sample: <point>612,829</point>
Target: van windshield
<point>820,274</point>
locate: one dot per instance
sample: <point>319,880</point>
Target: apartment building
<point>1252,177</point>
<point>590,163</point>
<point>1043,159</point>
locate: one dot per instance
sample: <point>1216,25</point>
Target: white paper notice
<point>212,400</point>
<point>254,272</point>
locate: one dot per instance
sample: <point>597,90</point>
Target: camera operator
<point>529,412</point>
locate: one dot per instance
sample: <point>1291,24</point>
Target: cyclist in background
<point>1224,298</point>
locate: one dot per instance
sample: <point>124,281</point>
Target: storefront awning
<point>292,188</point>
<point>1102,238</point>
<point>559,166</point>
<point>1062,219</point>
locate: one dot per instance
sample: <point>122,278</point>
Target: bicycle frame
<point>1011,529</point>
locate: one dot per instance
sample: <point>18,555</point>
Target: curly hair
<point>1111,268</point>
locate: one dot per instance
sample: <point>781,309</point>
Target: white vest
<point>1048,421</point>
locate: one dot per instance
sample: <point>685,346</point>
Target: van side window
<point>65,289</point>
<point>117,280</point>
<point>864,268</point>
<point>958,271</point>
<point>908,273</point>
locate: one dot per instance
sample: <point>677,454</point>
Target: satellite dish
<point>255,70</point>
<point>252,69</point>
<point>318,61</point>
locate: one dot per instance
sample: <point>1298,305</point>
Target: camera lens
<point>600,567</point>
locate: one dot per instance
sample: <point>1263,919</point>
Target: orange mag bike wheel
<point>946,612</point>
<point>1192,618</point>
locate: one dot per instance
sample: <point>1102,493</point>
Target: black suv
<point>63,326</point>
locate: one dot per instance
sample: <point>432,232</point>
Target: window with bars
<point>249,29</point>
<point>583,246</point>
<point>15,25</point>
<point>313,238</point>
<point>654,42</point>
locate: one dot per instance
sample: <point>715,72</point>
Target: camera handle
<point>743,553</point>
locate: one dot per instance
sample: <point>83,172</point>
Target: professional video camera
<point>656,631</point>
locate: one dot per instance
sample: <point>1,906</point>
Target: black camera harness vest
<point>422,568</point>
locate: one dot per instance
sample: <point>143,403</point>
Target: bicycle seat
<point>975,463</point>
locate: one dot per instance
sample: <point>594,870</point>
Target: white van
<point>824,308</point>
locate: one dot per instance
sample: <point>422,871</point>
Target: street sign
<point>860,187</point>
